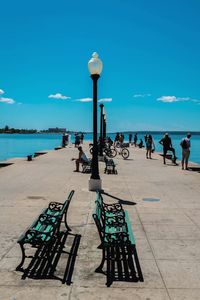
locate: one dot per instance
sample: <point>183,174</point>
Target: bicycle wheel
<point>91,150</point>
<point>111,152</point>
<point>125,153</point>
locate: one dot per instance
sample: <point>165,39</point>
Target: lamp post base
<point>95,184</point>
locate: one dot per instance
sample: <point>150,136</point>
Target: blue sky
<point>150,54</point>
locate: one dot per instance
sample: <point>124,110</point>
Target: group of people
<point>166,142</point>
<point>135,139</point>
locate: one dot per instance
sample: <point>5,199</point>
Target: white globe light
<point>95,65</point>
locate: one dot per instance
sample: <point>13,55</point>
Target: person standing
<point>116,139</point>
<point>77,140</point>
<point>150,146</point>
<point>166,142</point>
<point>63,140</point>
<point>185,145</point>
<point>135,140</point>
<point>130,138</point>
<point>81,138</point>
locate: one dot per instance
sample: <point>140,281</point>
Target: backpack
<point>184,144</point>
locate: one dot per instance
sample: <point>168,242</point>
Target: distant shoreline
<point>124,132</point>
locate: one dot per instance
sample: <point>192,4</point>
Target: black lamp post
<point>104,126</point>
<point>101,130</point>
<point>95,67</point>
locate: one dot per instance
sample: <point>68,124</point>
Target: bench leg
<point>131,264</point>
<point>109,267</point>
<point>140,276</point>
<point>19,267</point>
<point>100,267</point>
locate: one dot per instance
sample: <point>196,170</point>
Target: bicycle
<point>109,151</point>
<point>123,151</point>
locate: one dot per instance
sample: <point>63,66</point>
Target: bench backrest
<point>61,207</point>
<point>98,218</point>
<point>67,202</point>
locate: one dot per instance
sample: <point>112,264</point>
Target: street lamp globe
<point>95,65</point>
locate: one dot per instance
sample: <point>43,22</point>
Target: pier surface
<point>163,202</point>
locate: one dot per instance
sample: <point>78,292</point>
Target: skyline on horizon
<point>150,54</point>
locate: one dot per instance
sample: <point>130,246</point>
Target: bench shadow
<point>121,201</point>
<point>129,159</point>
<point>45,261</point>
<point>122,265</point>
<point>194,169</point>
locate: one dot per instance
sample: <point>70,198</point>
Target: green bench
<point>46,227</point>
<point>110,167</point>
<point>117,242</point>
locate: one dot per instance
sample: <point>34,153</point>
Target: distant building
<point>57,130</point>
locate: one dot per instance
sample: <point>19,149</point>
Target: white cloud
<point>168,99</point>
<point>7,100</point>
<point>171,99</point>
<point>84,100</point>
<point>141,95</point>
<point>58,96</point>
<point>105,100</point>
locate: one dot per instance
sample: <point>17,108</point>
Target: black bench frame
<point>110,167</point>
<point>48,223</point>
<point>118,243</point>
<point>86,166</point>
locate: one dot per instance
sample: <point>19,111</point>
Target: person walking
<point>166,142</point>
<point>185,145</point>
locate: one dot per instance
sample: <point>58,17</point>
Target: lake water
<point>21,145</point>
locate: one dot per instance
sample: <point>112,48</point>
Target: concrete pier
<point>163,202</point>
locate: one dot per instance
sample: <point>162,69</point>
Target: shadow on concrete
<point>153,158</point>
<point>46,259</point>
<point>122,264</point>
<point>194,168</point>
<point>121,201</point>
<point>128,159</point>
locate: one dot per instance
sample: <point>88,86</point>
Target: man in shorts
<point>185,145</point>
<point>81,158</point>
